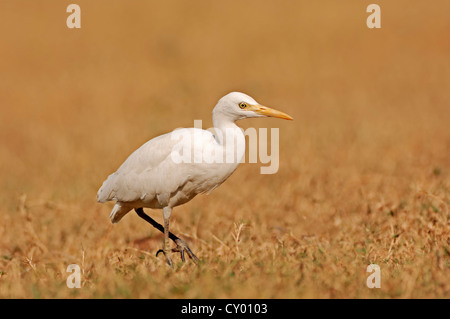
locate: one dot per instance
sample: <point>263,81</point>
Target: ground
<point>364,175</point>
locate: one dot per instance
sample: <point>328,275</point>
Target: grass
<point>364,168</point>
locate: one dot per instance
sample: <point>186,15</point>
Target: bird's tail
<point>119,210</point>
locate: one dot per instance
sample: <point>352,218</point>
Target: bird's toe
<point>168,259</point>
<point>183,247</point>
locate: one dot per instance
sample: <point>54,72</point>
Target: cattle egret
<point>154,176</point>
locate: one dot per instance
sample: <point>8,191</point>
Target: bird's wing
<point>150,170</point>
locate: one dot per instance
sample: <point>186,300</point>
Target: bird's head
<point>237,106</point>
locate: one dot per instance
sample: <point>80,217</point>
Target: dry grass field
<point>364,171</point>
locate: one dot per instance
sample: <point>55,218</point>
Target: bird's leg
<point>167,252</point>
<point>181,244</point>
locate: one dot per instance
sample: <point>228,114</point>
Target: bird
<point>171,169</point>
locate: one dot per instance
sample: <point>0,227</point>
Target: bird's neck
<point>230,137</point>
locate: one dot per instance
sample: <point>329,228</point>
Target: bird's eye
<point>242,105</point>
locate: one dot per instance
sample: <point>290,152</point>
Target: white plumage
<point>154,177</point>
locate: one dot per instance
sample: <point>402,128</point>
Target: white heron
<point>151,178</point>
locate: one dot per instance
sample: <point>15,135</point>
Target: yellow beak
<point>267,111</point>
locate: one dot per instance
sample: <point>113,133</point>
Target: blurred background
<point>369,147</point>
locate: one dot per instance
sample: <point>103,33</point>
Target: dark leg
<point>181,244</point>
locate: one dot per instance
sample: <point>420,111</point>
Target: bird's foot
<point>181,248</point>
<point>168,259</point>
